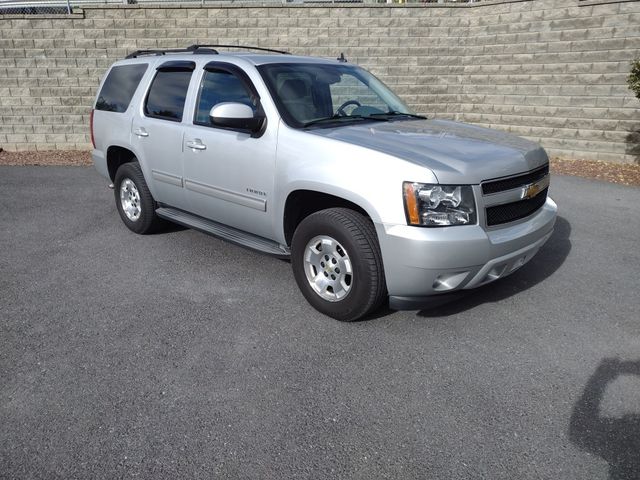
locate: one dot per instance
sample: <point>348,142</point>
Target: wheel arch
<point>302,202</point>
<point>116,156</point>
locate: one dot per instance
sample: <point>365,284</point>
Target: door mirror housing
<point>236,116</point>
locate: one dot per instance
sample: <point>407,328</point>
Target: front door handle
<point>196,144</point>
<point>141,132</point>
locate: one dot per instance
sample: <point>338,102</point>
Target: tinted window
<point>167,95</point>
<point>217,87</point>
<point>352,89</point>
<point>119,87</point>
<point>308,93</point>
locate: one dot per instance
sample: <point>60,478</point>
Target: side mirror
<point>235,115</point>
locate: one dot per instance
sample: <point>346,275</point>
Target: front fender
<point>372,180</point>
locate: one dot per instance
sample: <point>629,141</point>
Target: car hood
<point>456,153</point>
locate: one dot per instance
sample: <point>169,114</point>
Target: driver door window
<point>217,87</point>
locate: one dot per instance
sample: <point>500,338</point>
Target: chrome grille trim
<point>498,185</point>
<point>510,199</point>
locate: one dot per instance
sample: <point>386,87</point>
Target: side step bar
<point>223,231</point>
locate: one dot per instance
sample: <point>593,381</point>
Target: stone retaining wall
<point>550,70</point>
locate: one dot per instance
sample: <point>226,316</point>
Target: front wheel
<point>337,263</point>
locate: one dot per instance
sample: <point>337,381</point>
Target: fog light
<point>518,263</point>
<point>495,273</point>
<point>449,281</point>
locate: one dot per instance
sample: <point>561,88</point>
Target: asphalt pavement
<point>181,356</point>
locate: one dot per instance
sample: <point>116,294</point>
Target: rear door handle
<point>141,132</point>
<point>196,144</point>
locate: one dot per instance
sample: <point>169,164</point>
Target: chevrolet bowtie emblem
<point>533,189</point>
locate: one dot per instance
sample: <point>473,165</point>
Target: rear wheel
<point>136,206</point>
<point>337,263</point>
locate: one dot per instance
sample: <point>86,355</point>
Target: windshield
<point>309,94</point>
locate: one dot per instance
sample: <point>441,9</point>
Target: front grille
<point>496,186</point>
<point>514,211</point>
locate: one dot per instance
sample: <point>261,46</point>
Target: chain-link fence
<point>65,7</point>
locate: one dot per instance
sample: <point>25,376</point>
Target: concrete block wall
<point>550,70</point>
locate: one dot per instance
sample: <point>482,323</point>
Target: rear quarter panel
<point>114,128</point>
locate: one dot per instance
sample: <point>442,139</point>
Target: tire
<point>340,245</point>
<point>134,202</point>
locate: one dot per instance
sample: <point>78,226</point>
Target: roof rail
<point>200,49</point>
<point>195,48</point>
<point>139,53</point>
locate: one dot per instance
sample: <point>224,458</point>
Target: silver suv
<point>318,161</point>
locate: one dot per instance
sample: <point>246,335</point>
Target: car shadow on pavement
<point>615,439</point>
<point>169,227</point>
<point>633,144</point>
<point>549,259</point>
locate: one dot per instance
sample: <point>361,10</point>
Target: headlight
<point>438,205</point>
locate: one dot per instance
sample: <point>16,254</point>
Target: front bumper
<point>424,263</point>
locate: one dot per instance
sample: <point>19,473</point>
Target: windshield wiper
<point>395,113</point>
<point>339,119</point>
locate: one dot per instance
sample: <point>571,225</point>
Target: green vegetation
<point>634,77</point>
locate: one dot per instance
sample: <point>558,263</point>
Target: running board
<point>223,231</point>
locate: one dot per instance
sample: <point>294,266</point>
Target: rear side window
<point>167,94</point>
<point>119,87</point>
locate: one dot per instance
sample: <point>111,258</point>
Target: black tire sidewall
<point>354,304</point>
